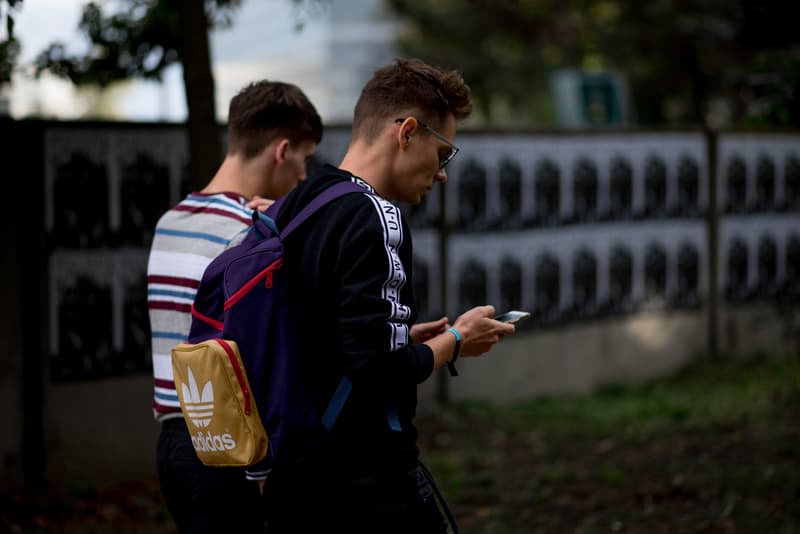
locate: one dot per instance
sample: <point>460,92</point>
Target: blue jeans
<point>204,499</point>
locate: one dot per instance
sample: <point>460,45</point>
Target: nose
<point>441,175</point>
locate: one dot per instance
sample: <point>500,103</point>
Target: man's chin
<point>421,196</point>
<point>411,200</point>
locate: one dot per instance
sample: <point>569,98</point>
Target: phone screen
<point>513,316</point>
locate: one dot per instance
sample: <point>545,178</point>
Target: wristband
<point>451,365</point>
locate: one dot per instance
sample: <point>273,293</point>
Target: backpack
<point>238,378</point>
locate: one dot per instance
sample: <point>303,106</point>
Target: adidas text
<point>209,443</point>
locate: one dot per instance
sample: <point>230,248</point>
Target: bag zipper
<point>216,325</point>
<point>239,374</point>
<point>247,287</point>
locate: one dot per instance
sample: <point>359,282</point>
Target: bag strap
<point>331,193</point>
<point>266,220</point>
<point>442,503</point>
<point>336,403</point>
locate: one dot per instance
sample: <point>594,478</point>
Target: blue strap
<point>393,418</point>
<point>268,222</point>
<point>337,403</point>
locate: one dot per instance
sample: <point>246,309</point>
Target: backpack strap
<point>331,193</point>
<point>268,218</point>
<point>337,403</point>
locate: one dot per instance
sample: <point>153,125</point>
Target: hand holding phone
<point>513,316</point>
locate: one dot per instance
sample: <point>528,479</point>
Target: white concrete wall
<point>586,356</point>
<point>101,430</point>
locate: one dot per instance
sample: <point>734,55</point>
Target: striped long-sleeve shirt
<point>187,238</point>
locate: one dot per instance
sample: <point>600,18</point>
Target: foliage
<point>771,92</point>
<point>503,48</point>
<point>135,39</point>
<point>9,46</point>
<point>139,39</point>
<point>680,56</point>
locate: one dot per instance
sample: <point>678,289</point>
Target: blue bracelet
<point>451,365</point>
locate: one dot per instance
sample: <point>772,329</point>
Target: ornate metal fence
<point>105,188</point>
<point>571,227</point>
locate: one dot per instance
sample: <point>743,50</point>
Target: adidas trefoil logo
<point>199,407</point>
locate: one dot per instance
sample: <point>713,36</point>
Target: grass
<point>713,448</point>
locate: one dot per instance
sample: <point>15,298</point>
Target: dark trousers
<point>319,499</point>
<point>204,499</point>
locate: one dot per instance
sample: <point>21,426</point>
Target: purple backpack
<point>243,297</point>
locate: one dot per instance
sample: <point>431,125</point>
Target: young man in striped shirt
<point>272,129</point>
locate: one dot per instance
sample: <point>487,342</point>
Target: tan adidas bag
<point>218,404</point>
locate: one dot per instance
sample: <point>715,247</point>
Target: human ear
<point>281,149</point>
<point>406,130</point>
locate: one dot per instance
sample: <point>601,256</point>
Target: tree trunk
<point>198,81</point>
<point>698,85</point>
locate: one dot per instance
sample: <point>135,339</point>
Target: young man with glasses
<point>349,274</point>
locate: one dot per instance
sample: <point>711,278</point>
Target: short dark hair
<point>265,110</point>
<point>410,85</point>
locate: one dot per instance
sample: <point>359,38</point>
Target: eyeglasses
<point>444,159</point>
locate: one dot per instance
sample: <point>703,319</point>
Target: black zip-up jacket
<point>349,274</point>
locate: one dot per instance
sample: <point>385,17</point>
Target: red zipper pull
<point>272,268</point>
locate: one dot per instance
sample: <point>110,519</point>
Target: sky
<point>262,43</point>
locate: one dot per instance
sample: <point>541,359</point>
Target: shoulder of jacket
<point>357,202</point>
<point>357,212</point>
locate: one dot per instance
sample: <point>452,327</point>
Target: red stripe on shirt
<point>160,408</point>
<point>173,280</point>
<point>174,306</point>
<point>161,383</point>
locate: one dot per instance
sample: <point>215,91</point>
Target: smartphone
<point>513,316</point>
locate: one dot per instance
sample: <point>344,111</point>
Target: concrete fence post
<point>712,241</point>
<point>442,380</point>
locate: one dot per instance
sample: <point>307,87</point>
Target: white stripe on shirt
<point>389,217</point>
